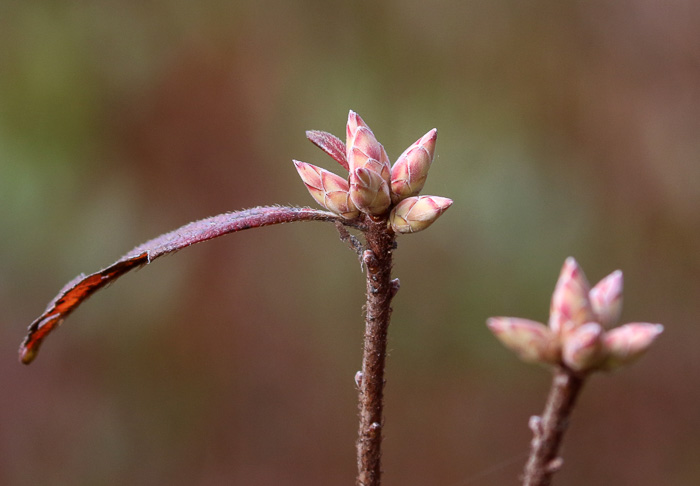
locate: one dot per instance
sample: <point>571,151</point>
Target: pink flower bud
<point>363,149</point>
<point>417,213</point>
<point>570,307</point>
<point>369,191</point>
<point>582,349</point>
<point>329,190</point>
<point>410,171</point>
<point>626,343</point>
<point>531,341</point>
<point>606,299</point>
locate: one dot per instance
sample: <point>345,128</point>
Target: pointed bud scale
<point>328,189</point>
<point>626,343</point>
<point>360,160</point>
<point>354,122</point>
<point>606,299</point>
<point>531,341</point>
<point>365,152</point>
<point>570,306</point>
<point>369,191</point>
<point>417,213</point>
<point>410,171</point>
<point>362,146</point>
<point>364,143</point>
<point>582,349</point>
<point>330,144</point>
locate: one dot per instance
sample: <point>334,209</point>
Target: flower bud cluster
<point>577,335</point>
<point>373,187</point>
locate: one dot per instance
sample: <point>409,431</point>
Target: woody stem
<point>548,430</point>
<point>380,290</point>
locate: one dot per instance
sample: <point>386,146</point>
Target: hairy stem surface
<point>83,286</point>
<point>549,429</point>
<point>380,290</point>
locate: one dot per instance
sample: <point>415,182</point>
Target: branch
<point>80,288</point>
<point>380,291</point>
<point>549,429</point>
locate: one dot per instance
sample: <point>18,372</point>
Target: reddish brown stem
<point>549,429</point>
<point>380,290</point>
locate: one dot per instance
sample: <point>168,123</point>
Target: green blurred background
<point>565,128</point>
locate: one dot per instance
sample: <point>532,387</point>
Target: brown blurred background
<point>565,128</point>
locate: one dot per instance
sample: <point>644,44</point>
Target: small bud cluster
<point>373,186</point>
<point>577,335</point>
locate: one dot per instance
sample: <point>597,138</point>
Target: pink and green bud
<point>410,171</point>
<point>531,341</point>
<point>328,189</point>
<point>570,307</point>
<point>606,299</point>
<point>369,191</point>
<point>417,213</point>
<point>626,343</point>
<point>582,349</point>
<point>576,337</point>
<point>363,149</point>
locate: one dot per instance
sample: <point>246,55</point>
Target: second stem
<point>549,429</point>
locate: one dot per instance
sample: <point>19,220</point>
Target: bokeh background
<point>565,128</point>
